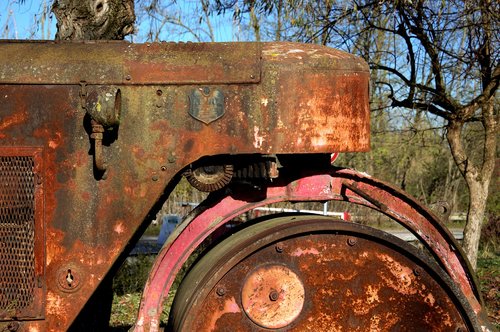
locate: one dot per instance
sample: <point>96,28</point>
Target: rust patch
<point>272,296</point>
<point>12,120</point>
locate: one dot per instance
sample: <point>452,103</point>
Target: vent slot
<point>17,235</point>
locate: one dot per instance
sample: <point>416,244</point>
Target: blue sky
<point>26,21</point>
<point>23,21</point>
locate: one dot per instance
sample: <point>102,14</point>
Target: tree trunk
<point>478,194</point>
<point>477,178</point>
<point>93,19</point>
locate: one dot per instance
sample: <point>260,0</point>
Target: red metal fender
<point>337,184</point>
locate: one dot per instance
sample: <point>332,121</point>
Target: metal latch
<point>103,105</point>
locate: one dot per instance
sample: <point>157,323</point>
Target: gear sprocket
<point>210,178</point>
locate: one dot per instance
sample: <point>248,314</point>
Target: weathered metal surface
<point>328,276</point>
<point>21,234</point>
<point>115,62</point>
<point>327,185</point>
<point>286,98</point>
<point>272,296</point>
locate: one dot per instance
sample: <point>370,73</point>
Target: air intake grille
<point>17,233</point>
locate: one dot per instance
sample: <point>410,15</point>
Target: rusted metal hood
<point>122,63</point>
<point>105,62</point>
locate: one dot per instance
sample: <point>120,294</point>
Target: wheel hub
<point>272,296</point>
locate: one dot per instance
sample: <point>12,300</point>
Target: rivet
<point>273,296</point>
<point>252,76</point>
<point>155,177</point>
<point>128,77</point>
<point>13,326</point>
<point>417,271</point>
<point>220,291</point>
<point>279,248</point>
<point>159,92</point>
<point>164,168</point>
<point>351,241</point>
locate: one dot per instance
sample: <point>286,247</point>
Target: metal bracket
<point>83,95</point>
<point>97,135</point>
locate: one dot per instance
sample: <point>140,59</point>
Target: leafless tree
<point>437,57</point>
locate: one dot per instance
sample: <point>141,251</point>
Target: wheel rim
<point>312,273</point>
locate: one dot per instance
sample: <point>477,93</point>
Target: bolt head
<point>274,295</point>
<point>220,291</point>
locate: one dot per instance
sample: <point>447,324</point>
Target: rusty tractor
<point>95,135</point>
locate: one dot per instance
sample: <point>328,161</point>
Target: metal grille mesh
<point>17,232</point>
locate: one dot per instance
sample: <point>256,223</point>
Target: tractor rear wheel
<point>311,273</point>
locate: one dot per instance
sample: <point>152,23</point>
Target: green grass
<point>488,272</point>
<point>125,309</point>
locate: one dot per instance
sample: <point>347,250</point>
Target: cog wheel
<point>210,178</point>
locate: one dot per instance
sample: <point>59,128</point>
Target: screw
<point>172,158</point>
<point>273,296</point>
<point>279,248</point>
<point>351,241</point>
<point>13,326</point>
<point>220,291</point>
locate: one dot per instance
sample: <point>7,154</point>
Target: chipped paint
<point>258,139</point>
<point>119,228</point>
<point>230,306</point>
<point>307,251</point>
